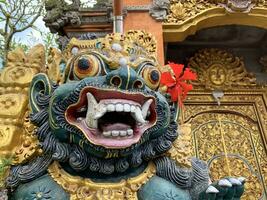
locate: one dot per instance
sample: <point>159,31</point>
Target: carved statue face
<point>217,75</point>
<point>108,104</point>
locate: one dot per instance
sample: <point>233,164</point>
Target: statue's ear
<point>41,87</point>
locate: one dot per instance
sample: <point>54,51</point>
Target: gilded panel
<point>231,137</point>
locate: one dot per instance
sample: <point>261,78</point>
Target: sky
<point>26,36</point>
<point>33,37</point>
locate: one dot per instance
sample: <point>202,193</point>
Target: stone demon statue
<point>105,131</point>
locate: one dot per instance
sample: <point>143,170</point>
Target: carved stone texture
<point>238,5</point>
<point>60,14</point>
<point>159,9</point>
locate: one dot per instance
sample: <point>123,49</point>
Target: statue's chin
<point>112,119</point>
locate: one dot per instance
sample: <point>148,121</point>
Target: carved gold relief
<point>186,17</point>
<point>253,186</point>
<point>218,69</point>
<point>182,149</point>
<point>143,39</point>
<point>55,58</point>
<point>11,105</point>
<point>243,152</point>
<point>83,188</point>
<point>16,132</point>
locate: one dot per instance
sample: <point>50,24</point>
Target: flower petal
<point>177,69</point>
<point>167,79</point>
<point>189,75</point>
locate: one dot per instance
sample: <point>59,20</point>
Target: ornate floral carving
<point>144,44</point>
<point>218,69</point>
<point>14,81</point>
<point>82,188</point>
<point>182,149</point>
<point>241,115</point>
<point>180,11</point>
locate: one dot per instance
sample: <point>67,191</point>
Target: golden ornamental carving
<point>181,11</point>
<point>218,69</point>
<point>238,143</point>
<point>182,149</point>
<point>86,189</point>
<point>241,122</point>
<point>133,42</point>
<point>186,17</point>
<point>54,60</point>
<point>16,131</point>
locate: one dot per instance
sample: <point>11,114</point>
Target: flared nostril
<point>115,81</point>
<point>138,84</point>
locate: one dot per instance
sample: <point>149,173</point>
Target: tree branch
<point>38,14</point>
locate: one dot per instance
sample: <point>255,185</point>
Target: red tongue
<point>116,127</point>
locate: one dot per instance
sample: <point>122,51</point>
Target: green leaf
<point>3,1</point>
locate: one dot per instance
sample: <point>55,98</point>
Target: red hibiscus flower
<point>176,82</point>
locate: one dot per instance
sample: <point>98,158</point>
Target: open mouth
<point>112,119</point>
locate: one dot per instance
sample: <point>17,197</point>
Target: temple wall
<point>141,20</point>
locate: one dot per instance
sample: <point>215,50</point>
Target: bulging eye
<point>86,66</point>
<point>151,75</point>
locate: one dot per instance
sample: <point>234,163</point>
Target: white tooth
<point>123,133</point>
<point>145,108</point>
<point>137,115</point>
<point>111,108</point>
<point>100,111</point>
<point>107,133</point>
<point>127,108</point>
<point>92,106</point>
<point>133,108</point>
<point>119,107</point>
<point>115,133</point>
<point>130,132</point>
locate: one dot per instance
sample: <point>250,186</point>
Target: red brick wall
<point>143,21</point>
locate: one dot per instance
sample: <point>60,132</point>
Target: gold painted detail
<point>181,11</point>
<point>218,69</point>
<point>187,17</point>
<point>16,132</point>
<point>85,189</point>
<point>242,117</point>
<point>54,59</point>
<point>182,149</point>
<point>138,43</point>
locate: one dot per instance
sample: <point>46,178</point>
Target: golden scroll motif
<point>231,136</point>
<point>181,11</point>
<point>132,39</point>
<point>182,149</point>
<point>218,69</point>
<point>16,132</point>
<point>186,17</point>
<point>243,122</point>
<point>84,188</point>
